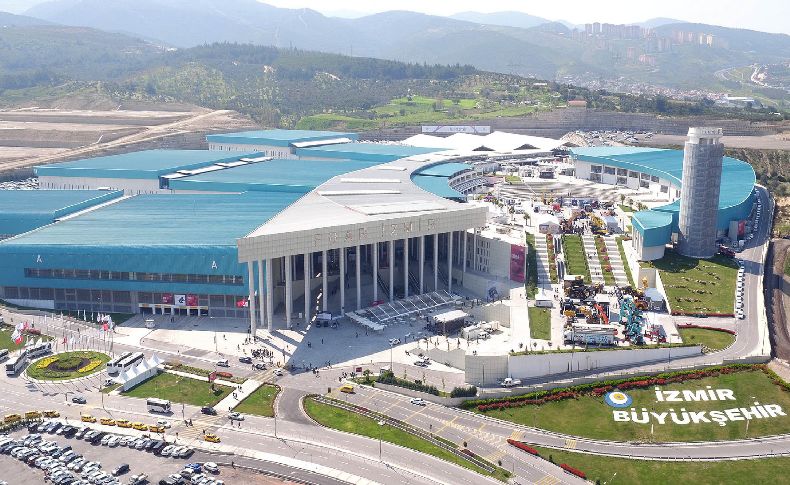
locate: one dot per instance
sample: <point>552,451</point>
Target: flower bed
<point>523,447</point>
<point>90,366</point>
<point>44,363</point>
<point>701,314</point>
<point>574,471</point>
<point>600,388</point>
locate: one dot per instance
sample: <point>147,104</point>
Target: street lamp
<point>381,427</point>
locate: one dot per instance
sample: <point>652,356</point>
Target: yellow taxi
<point>212,438</point>
<point>12,418</point>
<point>107,421</point>
<point>139,426</point>
<point>87,418</point>
<point>123,423</point>
<point>33,415</point>
<point>347,388</point>
<point>156,429</point>
<point>51,414</point>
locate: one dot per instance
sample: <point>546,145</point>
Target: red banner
<point>518,259</point>
<point>241,303</point>
<point>212,377</point>
<point>192,300</point>
<point>741,228</point>
<point>167,298</point>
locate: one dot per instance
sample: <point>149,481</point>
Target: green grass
<point>260,402</point>
<point>684,277</point>
<point>626,208</point>
<point>600,247</point>
<point>598,422</point>
<point>512,179</point>
<point>540,323</point>
<point>199,371</point>
<point>532,267</point>
<point>575,258</point>
<point>340,419</point>
<point>603,468</point>
<point>328,121</point>
<point>713,339</point>
<point>626,266</point>
<point>552,258</point>
<point>72,361</point>
<point>180,389</point>
<point>787,264</point>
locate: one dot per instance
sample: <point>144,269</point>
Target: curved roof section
<point>300,176</point>
<point>374,152</point>
<point>435,178</point>
<point>282,138</point>
<point>146,164</point>
<point>25,210</point>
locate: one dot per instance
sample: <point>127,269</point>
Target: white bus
<point>39,350</point>
<point>16,363</point>
<point>129,362</point>
<point>3,354</point>
<point>113,365</point>
<point>158,405</point>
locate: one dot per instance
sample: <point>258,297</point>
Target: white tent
<point>138,374</point>
<point>449,316</point>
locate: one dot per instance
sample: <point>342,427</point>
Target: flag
<point>212,377</point>
<point>64,340</point>
<point>16,337</point>
<point>105,327</point>
<point>71,341</point>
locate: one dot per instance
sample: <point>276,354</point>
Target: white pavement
<point>615,261</point>
<point>596,273</point>
<point>541,248</point>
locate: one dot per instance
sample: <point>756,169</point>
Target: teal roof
<point>444,169</point>
<point>298,176</point>
<point>164,220</point>
<point>652,219</point>
<point>437,186</point>
<point>282,138</point>
<point>655,227</point>
<point>147,164</point>
<point>25,210</point>
<point>364,151</point>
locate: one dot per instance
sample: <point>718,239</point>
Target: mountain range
<point>509,42</point>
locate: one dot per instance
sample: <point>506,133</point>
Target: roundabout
<point>67,365</point>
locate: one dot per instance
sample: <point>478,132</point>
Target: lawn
<point>598,421</point>
<point>340,419</point>
<point>540,323</point>
<point>698,285</point>
<point>626,208</point>
<point>626,266</point>
<point>532,267</point>
<point>601,469</point>
<point>787,264</point>
<point>512,179</point>
<point>180,389</point>
<point>260,402</point>
<point>67,365</point>
<point>712,339</point>
<point>575,258</point>
<point>7,343</point>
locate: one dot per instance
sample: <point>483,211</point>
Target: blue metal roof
<point>281,138</point>
<point>146,164</point>
<point>364,151</point>
<point>298,176</point>
<point>437,186</point>
<point>25,210</point>
<point>655,227</point>
<point>444,169</point>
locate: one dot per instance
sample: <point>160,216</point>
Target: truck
<point>510,382</point>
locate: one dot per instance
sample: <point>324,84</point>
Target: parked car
<point>245,360</point>
<point>208,410</point>
<point>121,469</point>
<point>223,363</point>
<point>79,400</point>
<point>210,466</point>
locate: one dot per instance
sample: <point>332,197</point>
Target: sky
<point>763,15</point>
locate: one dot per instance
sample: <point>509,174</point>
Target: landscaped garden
<point>575,257</point>
<point>260,402</point>
<point>552,258</point>
<point>540,323</point>
<point>180,389</point>
<point>67,365</point>
<point>532,267</point>
<point>5,338</point>
<point>626,266</point>
<point>685,411</point>
<point>698,286</point>
<point>711,338</point>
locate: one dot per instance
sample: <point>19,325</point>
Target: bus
<point>3,354</point>
<point>158,405</point>
<point>39,350</point>
<point>129,362</point>
<point>112,366</point>
<point>16,363</point>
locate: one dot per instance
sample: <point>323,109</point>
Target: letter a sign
<point>214,264</point>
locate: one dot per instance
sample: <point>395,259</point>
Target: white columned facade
<point>288,292</point>
<point>463,254</point>
<point>449,261</point>
<point>269,292</point>
<point>324,282</point>
<point>436,262</point>
<point>261,292</point>
<point>358,259</point>
<point>375,271</point>
<point>392,270</point>
<point>474,249</point>
<point>422,264</point>
<point>251,283</point>
<point>406,267</point>
<point>307,275</point>
<point>342,281</point>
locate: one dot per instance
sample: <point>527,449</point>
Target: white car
<point>210,466</point>
<point>394,341</point>
<point>740,316</point>
<point>234,416</point>
<point>278,372</point>
<point>163,423</point>
<point>417,401</point>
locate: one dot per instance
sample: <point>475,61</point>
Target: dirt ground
<point>769,142</point>
<point>239,475</point>
<point>777,293</point>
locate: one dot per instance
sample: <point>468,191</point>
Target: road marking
<point>516,435</point>
<point>548,480</point>
<point>495,456</point>
<point>446,424</point>
<point>415,413</point>
<point>480,429</point>
<point>570,444</point>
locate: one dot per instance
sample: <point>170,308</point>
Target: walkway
<point>615,261</point>
<point>541,248</point>
<point>596,273</point>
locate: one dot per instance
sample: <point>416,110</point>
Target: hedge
<point>523,447</point>
<point>574,471</point>
<point>464,391</point>
<point>389,378</point>
<point>602,387</point>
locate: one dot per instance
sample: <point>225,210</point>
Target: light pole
<point>381,427</point>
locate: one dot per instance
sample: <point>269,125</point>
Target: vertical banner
<point>192,300</point>
<point>518,261</point>
<point>741,228</point>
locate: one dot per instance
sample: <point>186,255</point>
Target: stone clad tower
<point>699,196</point>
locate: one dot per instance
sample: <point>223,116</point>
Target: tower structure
<point>699,197</point>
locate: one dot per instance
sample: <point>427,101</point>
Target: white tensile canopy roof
<point>498,141</point>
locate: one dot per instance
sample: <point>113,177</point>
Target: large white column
<point>269,294</point>
<point>288,295</point>
<point>463,254</point>
<point>359,276</point>
<point>449,261</point>
<point>375,271</point>
<point>406,267</point>
<point>307,275</point>
<point>261,293</point>
<point>436,262</point>
<point>474,249</point>
<point>251,284</point>
<point>324,282</point>
<point>342,281</point>
<point>422,263</point>
<point>392,270</point>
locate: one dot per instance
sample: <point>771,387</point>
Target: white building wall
<point>129,186</point>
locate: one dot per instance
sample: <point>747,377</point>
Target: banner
<point>242,303</point>
<point>518,261</point>
<point>180,300</point>
<point>192,300</point>
<point>741,228</point>
<point>167,298</point>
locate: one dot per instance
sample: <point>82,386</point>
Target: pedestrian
<point>322,341</point>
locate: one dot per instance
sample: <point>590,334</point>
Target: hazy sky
<point>764,15</point>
